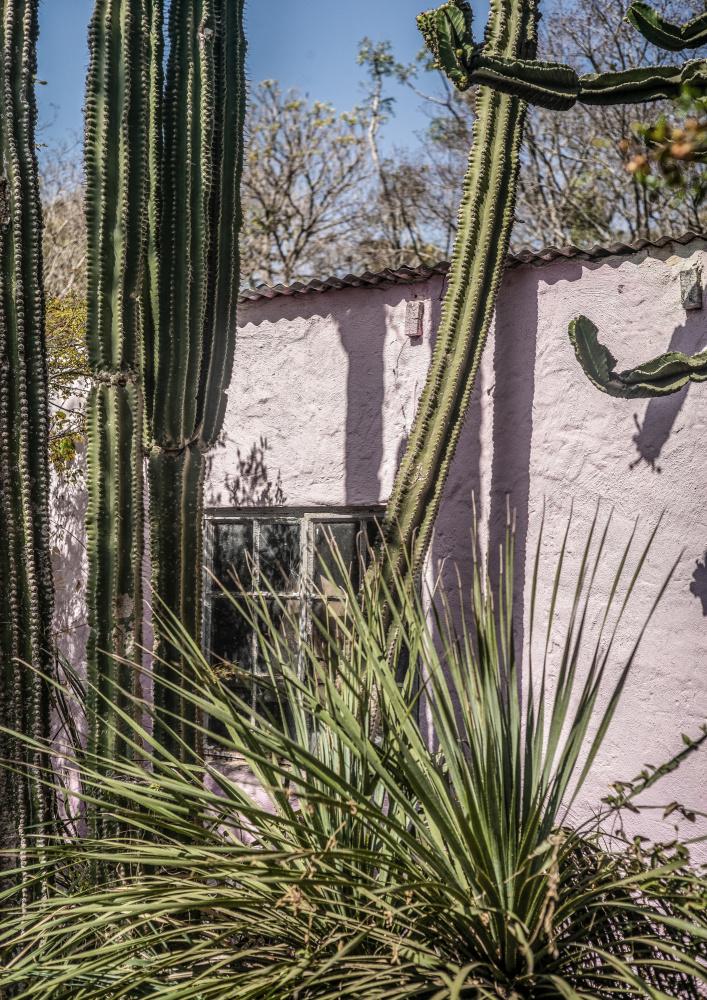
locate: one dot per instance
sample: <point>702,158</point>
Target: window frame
<point>306,518</point>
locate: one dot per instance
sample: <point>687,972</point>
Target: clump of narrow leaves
<point>329,847</point>
<point>668,154</point>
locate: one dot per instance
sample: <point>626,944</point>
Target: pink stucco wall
<point>323,395</point>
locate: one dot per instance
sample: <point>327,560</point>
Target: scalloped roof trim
<point>413,275</point>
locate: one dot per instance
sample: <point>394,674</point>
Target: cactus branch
<point>557,86</point>
<point>26,589</point>
<point>199,218</point>
<point>662,376</point>
<point>508,76</point>
<point>485,223</point>
<point>660,32</point>
<point>164,153</point>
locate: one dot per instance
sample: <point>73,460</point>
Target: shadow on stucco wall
<point>515,346</point>
<point>660,414</point>
<point>362,332</point>
<point>252,484</point>
<point>698,585</point>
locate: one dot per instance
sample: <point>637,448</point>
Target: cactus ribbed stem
<point>485,222</point>
<point>199,218</point>
<point>176,488</point>
<point>116,210</point>
<point>26,589</point>
<point>164,158</point>
<point>115,524</point>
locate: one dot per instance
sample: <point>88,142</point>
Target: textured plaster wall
<point>322,399</point>
<point>323,394</point>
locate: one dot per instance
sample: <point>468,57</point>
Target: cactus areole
<point>509,77</point>
<point>26,591</point>
<point>164,151</point>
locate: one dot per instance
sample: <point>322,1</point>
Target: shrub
<point>366,862</point>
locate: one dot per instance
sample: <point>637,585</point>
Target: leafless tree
<point>416,200</point>
<point>62,187</point>
<point>322,194</point>
<point>306,177</point>
<point>574,185</point>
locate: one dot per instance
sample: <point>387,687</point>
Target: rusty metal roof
<point>412,275</point>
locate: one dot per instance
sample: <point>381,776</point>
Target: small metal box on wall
<point>691,287</point>
<point>414,318</point>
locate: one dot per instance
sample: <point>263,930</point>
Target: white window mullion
<point>255,589</point>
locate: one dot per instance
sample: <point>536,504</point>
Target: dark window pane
<point>280,555</point>
<point>285,630</point>
<point>330,535</point>
<point>328,636</point>
<point>230,634</point>
<point>373,535</point>
<point>219,728</point>
<point>233,549</point>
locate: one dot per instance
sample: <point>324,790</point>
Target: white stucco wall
<point>323,394</point>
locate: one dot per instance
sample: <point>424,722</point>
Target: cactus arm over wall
<point>485,222</point>
<point>660,32</point>
<point>662,376</point>
<point>120,40</point>
<point>199,221</point>
<point>508,75</point>
<point>26,590</point>
<point>558,86</point>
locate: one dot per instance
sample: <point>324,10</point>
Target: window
<point>279,548</point>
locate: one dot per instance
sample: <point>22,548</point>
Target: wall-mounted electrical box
<point>691,288</point>
<point>414,318</point>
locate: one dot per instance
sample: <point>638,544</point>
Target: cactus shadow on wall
<point>362,335</point>
<point>515,349</point>
<point>698,587</point>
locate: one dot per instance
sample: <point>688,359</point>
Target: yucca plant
<point>373,866</point>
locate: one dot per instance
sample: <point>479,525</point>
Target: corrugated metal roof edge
<point>411,275</point>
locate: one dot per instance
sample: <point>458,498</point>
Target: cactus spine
<point>508,75</point>
<point>164,160</point>
<point>26,591</point>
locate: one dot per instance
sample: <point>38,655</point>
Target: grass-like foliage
<point>377,860</point>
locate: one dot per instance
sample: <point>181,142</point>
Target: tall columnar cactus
<point>117,133</point>
<point>164,157</point>
<point>197,263</point>
<point>507,74</point>
<point>26,593</point>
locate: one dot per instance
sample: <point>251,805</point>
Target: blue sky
<point>307,43</point>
